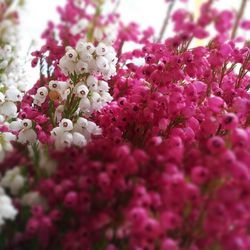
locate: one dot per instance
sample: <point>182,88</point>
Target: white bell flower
<point>16,125</point>
<point>27,136</point>
<point>71,54</point>
<point>103,86</point>
<point>106,97</point>
<point>82,91</point>
<point>81,67</point>
<point>82,122</point>
<point>92,128</point>
<point>66,65</point>
<point>85,47</point>
<point>8,136</point>
<point>13,94</point>
<point>101,49</point>
<point>85,56</point>
<point>92,82</point>
<point>92,67</point>
<point>7,210</point>
<point>59,86</point>
<point>102,63</point>
<point>33,198</point>
<point>26,124</point>
<point>66,140</point>
<point>96,101</point>
<point>66,124</point>
<point>8,109</point>
<point>41,93</point>
<point>111,57</point>
<point>57,132</point>
<point>79,140</point>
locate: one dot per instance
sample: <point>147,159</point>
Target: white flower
<point>103,86</point>
<point>16,125</point>
<point>58,86</point>
<point>13,94</point>
<point>111,57</point>
<point>71,54</point>
<point>27,135</point>
<point>8,109</point>
<point>82,91</point>
<point>7,210</point>
<point>81,67</point>
<point>13,180</point>
<point>66,140</point>
<point>8,136</point>
<point>101,49</point>
<point>106,97</point>
<point>82,122</point>
<point>33,198</point>
<point>85,105</point>
<point>86,47</point>
<point>85,56</point>
<point>96,101</point>
<point>26,124</point>
<point>57,132</point>
<point>92,83</point>
<point>79,140</point>
<point>66,124</point>
<point>93,128</point>
<point>66,65</point>
<point>102,63</point>
<point>42,92</point>
<point>40,96</point>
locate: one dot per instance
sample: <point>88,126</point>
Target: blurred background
<point>37,13</point>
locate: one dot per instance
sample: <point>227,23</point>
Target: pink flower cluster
<point>171,168</point>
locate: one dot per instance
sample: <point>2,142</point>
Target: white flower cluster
<point>92,67</point>
<point>13,180</point>
<point>7,210</point>
<point>12,83</point>
<point>8,99</point>
<point>78,134</point>
<point>25,131</point>
<point>8,31</point>
<point>86,58</point>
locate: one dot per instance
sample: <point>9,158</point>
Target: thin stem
<point>238,18</point>
<point>166,20</point>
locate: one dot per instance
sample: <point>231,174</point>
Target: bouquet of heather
<point>146,149</point>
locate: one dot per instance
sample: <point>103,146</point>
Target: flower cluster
<point>11,86</point>
<point>11,76</point>
<point>114,154</point>
<point>7,210</point>
<point>86,58</point>
<point>73,100</point>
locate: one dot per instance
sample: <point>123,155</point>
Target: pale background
<point>145,12</point>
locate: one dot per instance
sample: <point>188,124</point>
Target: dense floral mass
<point>146,149</point>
